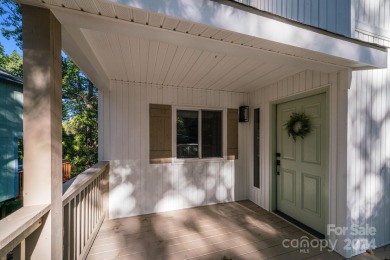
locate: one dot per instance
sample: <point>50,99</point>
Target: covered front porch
<point>156,57</point>
<point>234,230</point>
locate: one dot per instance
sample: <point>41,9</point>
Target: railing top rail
<point>19,225</point>
<point>83,180</point>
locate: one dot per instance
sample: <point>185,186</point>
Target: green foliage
<point>79,95</point>
<point>12,63</point>
<point>20,150</point>
<point>11,21</point>
<point>80,129</point>
<point>11,27</point>
<point>11,205</point>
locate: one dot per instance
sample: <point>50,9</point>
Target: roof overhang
<point>209,44</point>
<point>229,16</point>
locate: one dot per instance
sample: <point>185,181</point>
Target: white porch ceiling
<point>110,41</point>
<point>141,60</point>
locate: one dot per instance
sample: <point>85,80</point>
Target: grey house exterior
<point>11,125</point>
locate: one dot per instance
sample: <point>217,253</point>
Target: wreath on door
<point>298,125</point>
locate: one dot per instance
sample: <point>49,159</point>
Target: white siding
<point>330,15</point>
<point>369,154</point>
<point>291,87</point>
<point>369,124</point>
<point>372,21</point>
<point>136,187</point>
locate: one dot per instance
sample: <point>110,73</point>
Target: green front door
<point>303,164</point>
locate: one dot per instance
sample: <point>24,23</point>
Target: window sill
<point>198,160</point>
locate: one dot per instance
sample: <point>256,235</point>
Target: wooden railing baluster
<point>83,214</point>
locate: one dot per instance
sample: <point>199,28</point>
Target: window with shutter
<point>198,134</point>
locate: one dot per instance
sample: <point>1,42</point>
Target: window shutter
<point>232,134</point>
<point>160,133</point>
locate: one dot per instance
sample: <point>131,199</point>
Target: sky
<point>9,45</point>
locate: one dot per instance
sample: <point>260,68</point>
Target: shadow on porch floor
<point>237,230</point>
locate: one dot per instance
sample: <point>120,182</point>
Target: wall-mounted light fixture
<point>244,114</point>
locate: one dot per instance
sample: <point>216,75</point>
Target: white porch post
<point>42,128</point>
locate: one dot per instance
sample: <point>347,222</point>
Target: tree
<point>11,21</point>
<point>80,127</point>
<point>12,63</point>
<point>79,95</point>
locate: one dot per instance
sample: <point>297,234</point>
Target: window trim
<point>174,133</point>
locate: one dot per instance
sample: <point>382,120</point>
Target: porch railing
<point>84,210</point>
<point>84,207</point>
<point>18,226</point>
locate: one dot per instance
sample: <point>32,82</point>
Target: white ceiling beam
<point>77,48</point>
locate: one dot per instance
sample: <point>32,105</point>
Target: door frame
<point>326,89</point>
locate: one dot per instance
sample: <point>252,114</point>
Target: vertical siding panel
<point>301,10</point>
<point>114,138</point>
<point>266,5</point>
<point>294,8</point>
<point>203,97</point>
<point>125,122</point>
<point>387,154</point>
<point>324,78</point>
<point>308,13</point>
<point>316,79</point>
<point>289,10</point>
<point>333,79</point>
<point>290,84</point>
<point>185,96</point>
<point>331,13</point>
<point>137,121</point>
<point>382,158</point>
<point>352,124</point>
<point>296,84</point>
<point>107,126</point>
<point>175,92</point>
<point>382,14</point>
<point>179,94</point>
<point>302,81</point>
<point>210,98</point>
<point>285,87</point>
<point>275,6</point>
<point>100,125</point>
<point>366,166</point>
<point>322,13</point>
<point>166,95</point>
<point>144,125</point>
<point>377,221</point>
<point>315,13</point>
<point>309,80</point>
<point>280,89</point>
<point>160,94</point>
<point>386,17</point>
<point>131,116</point>
<point>359,166</point>
<point>376,13</point>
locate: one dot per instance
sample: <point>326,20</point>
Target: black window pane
<point>211,134</point>
<point>187,144</point>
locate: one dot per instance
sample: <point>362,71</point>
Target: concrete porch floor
<point>236,230</point>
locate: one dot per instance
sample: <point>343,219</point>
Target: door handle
<point>278,163</point>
